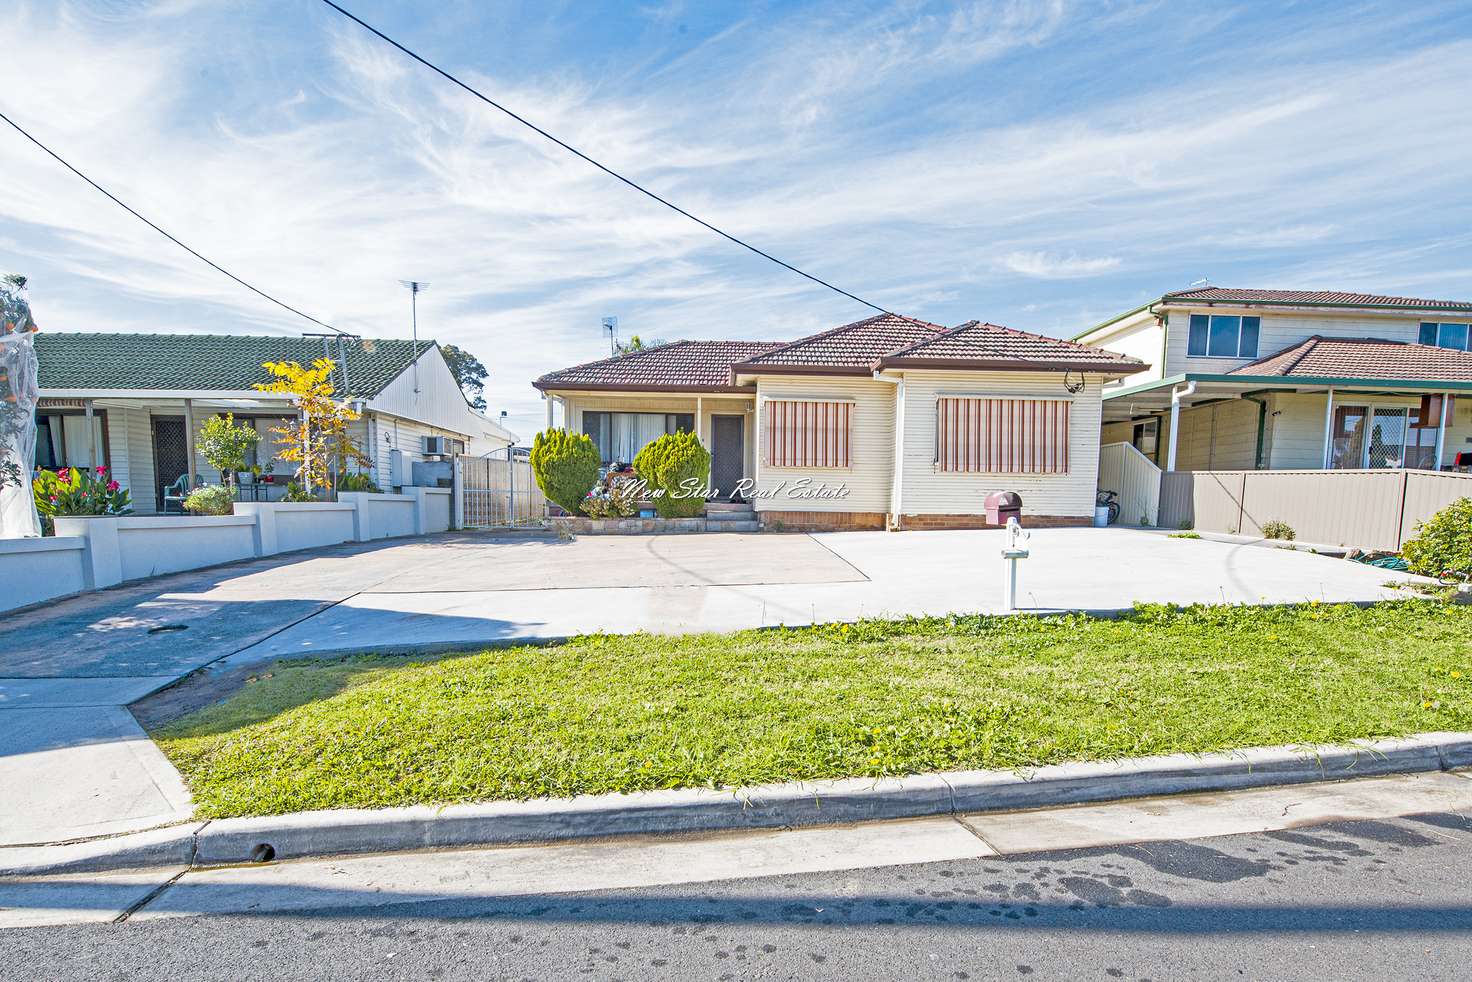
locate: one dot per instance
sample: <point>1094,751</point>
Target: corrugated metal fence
<point>497,491</point>
<point>1364,509</point>
<point>1135,478</point>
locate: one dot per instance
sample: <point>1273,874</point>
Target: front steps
<point>731,516</point>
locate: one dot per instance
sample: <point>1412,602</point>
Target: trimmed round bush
<point>675,468</point>
<point>1442,546</point>
<point>566,467</point>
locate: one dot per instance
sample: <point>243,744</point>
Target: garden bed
<point>603,713</point>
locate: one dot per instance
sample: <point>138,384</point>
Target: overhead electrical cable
<point>603,167</point>
<point>202,258</point>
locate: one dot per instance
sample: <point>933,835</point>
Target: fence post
<point>457,493</point>
<point>264,531</point>
<point>1400,521</point>
<point>102,560</point>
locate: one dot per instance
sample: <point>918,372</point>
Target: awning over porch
<point>1343,398</point>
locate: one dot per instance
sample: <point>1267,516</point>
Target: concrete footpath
<point>404,883</point>
<point>68,670</point>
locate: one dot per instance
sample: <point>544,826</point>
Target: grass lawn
<point>604,713</point>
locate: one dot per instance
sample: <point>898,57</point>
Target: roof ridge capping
<point>983,342</point>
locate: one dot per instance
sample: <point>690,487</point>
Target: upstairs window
<point>1454,336</point>
<point>1223,336</point>
<point>809,433</point>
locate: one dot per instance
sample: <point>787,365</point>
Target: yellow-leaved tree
<point>318,441</point>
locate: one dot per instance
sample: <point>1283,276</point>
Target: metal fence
<point>1364,509</point>
<point>497,491</point>
<point>1135,479</point>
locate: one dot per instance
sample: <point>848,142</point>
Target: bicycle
<point>1110,500</point>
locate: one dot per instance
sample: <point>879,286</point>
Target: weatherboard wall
<point>1279,331</point>
<point>871,454</point>
<point>929,491</point>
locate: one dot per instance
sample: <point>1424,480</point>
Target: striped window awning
<point>808,433</point>
<point>1002,436</point>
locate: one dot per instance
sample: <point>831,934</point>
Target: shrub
<point>1275,529</point>
<point>74,491</point>
<point>1442,546</point>
<point>298,492</point>
<point>357,482</point>
<point>613,497</point>
<point>212,499</point>
<point>566,467</point>
<point>675,467</point>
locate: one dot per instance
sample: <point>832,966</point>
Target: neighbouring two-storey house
<point>135,403</point>
<point>1291,379</point>
<point>885,422</point>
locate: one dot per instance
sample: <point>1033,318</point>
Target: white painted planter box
<point>95,553</point>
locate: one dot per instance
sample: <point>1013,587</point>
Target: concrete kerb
<point>234,841</point>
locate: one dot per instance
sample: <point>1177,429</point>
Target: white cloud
<point>853,147</point>
<point>1057,267</point>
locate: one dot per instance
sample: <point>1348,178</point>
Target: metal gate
<point>497,491</point>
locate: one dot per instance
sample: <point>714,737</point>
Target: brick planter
<point>578,525</point>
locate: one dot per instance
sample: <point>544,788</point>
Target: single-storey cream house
<point>1254,379</point>
<point>888,422</point>
<point>135,402</point>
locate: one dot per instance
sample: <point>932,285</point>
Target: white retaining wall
<point>35,570</point>
<point>95,553</point>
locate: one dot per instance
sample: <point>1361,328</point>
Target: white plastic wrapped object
<point>18,393</point>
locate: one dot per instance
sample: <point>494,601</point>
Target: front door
<point>728,452</point>
<point>170,454</point>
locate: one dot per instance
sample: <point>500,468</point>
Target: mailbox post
<point>1015,549</point>
<point>1004,508</point>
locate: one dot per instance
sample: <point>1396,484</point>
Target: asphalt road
<point>1374,900</point>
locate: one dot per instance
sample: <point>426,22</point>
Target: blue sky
<point>1040,165</point>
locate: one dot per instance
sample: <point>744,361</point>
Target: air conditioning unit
<point>436,446</point>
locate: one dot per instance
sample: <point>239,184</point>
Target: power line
<point>605,169</point>
<point>121,204</point>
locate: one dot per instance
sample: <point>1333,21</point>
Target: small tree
<point>675,467</point>
<point>319,438</point>
<point>225,446</point>
<point>566,467</point>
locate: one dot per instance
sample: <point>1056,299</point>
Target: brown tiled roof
<point>854,346</point>
<point>1325,298</point>
<point>692,365</point>
<point>853,349</point>
<point>979,345</point>
<point>1368,358</point>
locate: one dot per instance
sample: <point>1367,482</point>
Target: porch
<point>148,443</point>
<point>1197,422</point>
<point>623,423</point>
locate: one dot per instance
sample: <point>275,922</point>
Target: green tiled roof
<point>208,361</point>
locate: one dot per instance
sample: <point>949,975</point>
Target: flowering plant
<point>75,491</point>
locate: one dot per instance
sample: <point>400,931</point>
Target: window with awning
<point>808,433</point>
<point>1001,436</point>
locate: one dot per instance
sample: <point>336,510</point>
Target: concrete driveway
<point>81,765</point>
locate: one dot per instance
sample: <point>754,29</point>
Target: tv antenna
<point>610,327</point>
<point>416,287</point>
